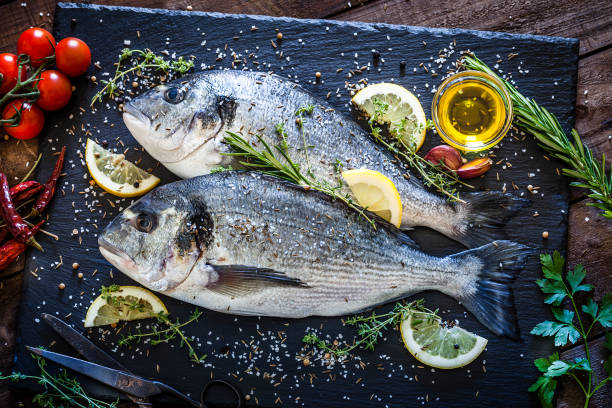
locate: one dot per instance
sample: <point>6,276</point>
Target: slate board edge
<point>550,40</point>
<point>356,24</point>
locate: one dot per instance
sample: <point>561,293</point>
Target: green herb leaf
<point>590,308</point>
<point>575,278</point>
<point>557,368</point>
<point>563,315</point>
<point>552,266</point>
<point>605,314</point>
<point>563,332</point>
<point>543,363</point>
<point>545,386</point>
<point>608,342</point>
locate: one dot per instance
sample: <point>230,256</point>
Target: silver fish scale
<point>264,100</point>
<point>347,265</point>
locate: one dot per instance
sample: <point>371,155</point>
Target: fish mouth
<point>116,257</point>
<point>137,122</point>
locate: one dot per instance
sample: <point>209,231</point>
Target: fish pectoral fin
<point>236,280</point>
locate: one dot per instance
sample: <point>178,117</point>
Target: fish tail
<point>486,291</point>
<point>481,219</point>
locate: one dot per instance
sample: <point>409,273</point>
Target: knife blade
<point>89,350</point>
<point>128,383</point>
<point>81,343</point>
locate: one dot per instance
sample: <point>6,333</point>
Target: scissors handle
<point>238,400</point>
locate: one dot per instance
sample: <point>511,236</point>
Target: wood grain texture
<point>591,234</point>
<point>594,102</point>
<point>589,21</point>
<point>589,242</point>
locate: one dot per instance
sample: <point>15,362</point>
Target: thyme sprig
<point>174,330</point>
<point>141,60</point>
<point>60,390</point>
<point>538,121</point>
<point>569,326</point>
<point>371,328</point>
<point>266,161</point>
<point>434,175</point>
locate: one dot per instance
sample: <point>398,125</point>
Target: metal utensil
<point>107,370</point>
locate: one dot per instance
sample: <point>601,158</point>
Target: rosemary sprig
<point>60,390</point>
<point>433,175</point>
<point>265,161</point>
<point>174,330</point>
<point>537,120</point>
<point>371,328</point>
<point>141,60</point>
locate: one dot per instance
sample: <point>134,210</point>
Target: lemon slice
<point>437,345</point>
<point>376,193</point>
<point>115,174</point>
<point>121,303</point>
<point>403,113</point>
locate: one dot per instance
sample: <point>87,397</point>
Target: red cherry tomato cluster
<point>72,58</point>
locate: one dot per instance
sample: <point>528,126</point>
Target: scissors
<point>107,370</point>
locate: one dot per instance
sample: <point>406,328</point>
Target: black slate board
<point>389,376</point>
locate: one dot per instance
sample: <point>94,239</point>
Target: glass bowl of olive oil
<point>472,111</point>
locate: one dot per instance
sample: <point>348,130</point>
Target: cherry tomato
<point>9,69</point>
<point>55,90</point>
<point>72,56</point>
<point>38,43</point>
<point>32,119</point>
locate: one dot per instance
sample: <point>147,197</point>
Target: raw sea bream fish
<point>244,243</point>
<point>183,125</point>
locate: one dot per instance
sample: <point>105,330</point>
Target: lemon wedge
<point>376,193</point>
<point>437,345</point>
<point>401,110</point>
<point>115,174</point>
<point>122,303</point>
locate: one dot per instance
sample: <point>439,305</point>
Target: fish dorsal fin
<point>236,280</point>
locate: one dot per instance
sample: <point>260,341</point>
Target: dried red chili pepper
<point>20,230</point>
<point>25,190</point>
<point>4,233</point>
<point>50,185</point>
<point>9,252</point>
<point>23,186</point>
<point>26,195</point>
<point>13,248</point>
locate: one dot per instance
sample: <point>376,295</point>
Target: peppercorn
<point>279,36</point>
<point>545,234</point>
<point>318,75</point>
<point>134,84</point>
<point>306,362</point>
<point>93,78</point>
<point>80,275</point>
<point>75,266</point>
<point>62,286</point>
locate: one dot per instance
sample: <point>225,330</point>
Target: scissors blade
<point>82,344</point>
<point>128,383</point>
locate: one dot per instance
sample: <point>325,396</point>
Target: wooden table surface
<point>590,236</point>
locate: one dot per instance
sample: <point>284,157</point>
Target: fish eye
<point>174,95</point>
<point>144,222</point>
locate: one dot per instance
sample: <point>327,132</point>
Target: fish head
<point>173,120</point>
<point>157,240</point>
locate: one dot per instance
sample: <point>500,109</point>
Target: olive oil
<point>471,113</point>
